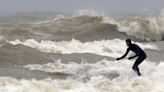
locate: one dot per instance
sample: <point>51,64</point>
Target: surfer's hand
<point>117,58</point>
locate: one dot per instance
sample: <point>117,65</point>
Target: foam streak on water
<point>105,47</point>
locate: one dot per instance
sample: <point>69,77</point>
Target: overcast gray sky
<point>73,5</point>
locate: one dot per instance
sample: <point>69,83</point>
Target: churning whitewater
<point>103,47</point>
<point>52,52</point>
<point>108,76</point>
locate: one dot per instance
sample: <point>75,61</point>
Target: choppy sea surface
<point>55,52</point>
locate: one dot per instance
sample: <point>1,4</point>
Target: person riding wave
<point>139,53</point>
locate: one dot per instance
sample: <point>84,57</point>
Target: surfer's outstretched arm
<point>127,51</point>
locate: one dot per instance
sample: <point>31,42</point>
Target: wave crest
<point>104,47</point>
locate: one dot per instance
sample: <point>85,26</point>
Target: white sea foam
<point>152,79</point>
<point>113,48</point>
<point>121,68</point>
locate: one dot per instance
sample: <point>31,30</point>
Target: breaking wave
<point>26,49</point>
<point>123,78</point>
<point>111,48</point>
<point>88,26</point>
<point>147,28</point>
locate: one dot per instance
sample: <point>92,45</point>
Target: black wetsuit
<point>139,52</point>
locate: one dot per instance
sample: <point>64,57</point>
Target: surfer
<point>139,53</point>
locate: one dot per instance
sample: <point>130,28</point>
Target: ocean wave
<point>149,28</point>
<point>142,28</point>
<point>102,68</point>
<point>111,48</point>
<point>88,26</point>
<point>150,81</point>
